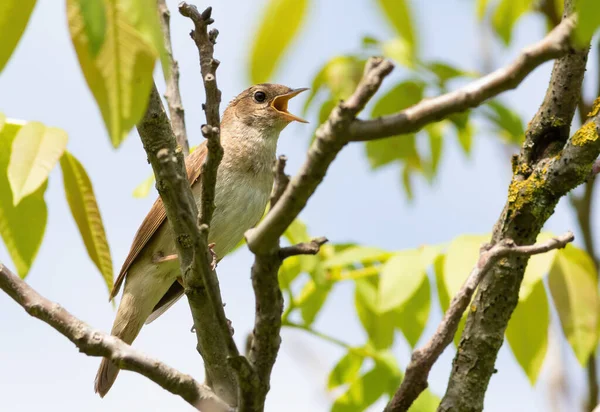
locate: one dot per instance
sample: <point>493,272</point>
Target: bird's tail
<point>136,305</point>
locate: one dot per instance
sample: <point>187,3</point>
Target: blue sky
<point>42,370</point>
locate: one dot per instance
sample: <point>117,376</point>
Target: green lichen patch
<point>586,134</point>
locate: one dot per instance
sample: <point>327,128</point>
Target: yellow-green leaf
<point>412,316</point>
<point>120,73</point>
<point>82,202</point>
<point>143,189</point>
<point>481,8</point>
<point>365,390</point>
<point>537,267</point>
<point>398,14</point>
<point>311,300</point>
<point>363,255</point>
<point>574,287</point>
<point>21,227</point>
<point>400,278</point>
<point>14,15</point>
<point>527,331</point>
<point>35,151</point>
<point>506,15</point>
<point>346,370</point>
<point>379,327</point>
<point>280,24</point>
<point>588,20</point>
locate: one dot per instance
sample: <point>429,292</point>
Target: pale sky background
<point>41,370</point>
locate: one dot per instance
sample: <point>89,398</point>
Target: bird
<point>250,128</point>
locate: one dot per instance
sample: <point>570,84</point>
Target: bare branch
<point>96,343</point>
<point>281,180</point>
<point>309,248</point>
<point>212,330</point>
<point>173,96</point>
<point>415,377</point>
<point>554,45</point>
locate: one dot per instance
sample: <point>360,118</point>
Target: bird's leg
<point>213,264</point>
<point>159,258</point>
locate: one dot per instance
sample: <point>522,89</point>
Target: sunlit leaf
<point>436,142</point>
<point>311,300</point>
<point>346,370</point>
<point>508,123</point>
<point>588,20</point>
<point>399,15</point>
<point>84,208</point>
<point>119,75</point>
<point>279,25</point>
<point>445,72</point>
<point>379,327</point>
<point>506,15</point>
<point>400,278</point>
<point>14,15</point>
<point>481,8</point>
<point>35,151</point>
<point>297,233</point>
<point>21,227</point>
<point>365,390</point>
<point>426,402</point>
<point>399,50</point>
<point>574,288</point>
<point>537,267</point>
<point>412,316</point>
<point>144,188</point>
<point>93,13</point>
<point>464,130</point>
<point>363,255</point>
<point>527,331</point>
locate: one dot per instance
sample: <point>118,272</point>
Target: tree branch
<point>554,45</point>
<point>95,343</point>
<point>172,94</point>
<point>172,184</point>
<point>422,360</point>
<point>550,165</point>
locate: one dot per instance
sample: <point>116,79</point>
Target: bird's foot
<point>213,264</point>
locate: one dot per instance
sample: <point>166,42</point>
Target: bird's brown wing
<point>157,215</point>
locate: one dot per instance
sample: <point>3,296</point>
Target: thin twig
<point>281,180</point>
<point>307,248</point>
<point>415,377</point>
<point>96,343</point>
<point>172,94</point>
<point>554,45</point>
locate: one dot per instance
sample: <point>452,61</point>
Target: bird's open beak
<point>280,103</point>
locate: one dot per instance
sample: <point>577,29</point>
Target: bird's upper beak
<point>280,103</point>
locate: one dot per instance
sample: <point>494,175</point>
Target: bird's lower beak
<point>280,103</point>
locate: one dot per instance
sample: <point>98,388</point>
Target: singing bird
<point>250,128</point>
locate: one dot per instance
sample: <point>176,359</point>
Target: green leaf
<point>280,24</point>
<point>508,123</point>
<point>346,370</point>
<point>464,130</point>
<point>93,13</point>
<point>444,72</point>
<point>14,15</point>
<point>403,95</point>
<point>84,208</point>
<point>426,402</point>
<point>342,75</point>
<point>398,14</point>
<point>379,327</point>
<point>574,288</point>
<point>537,267</point>
<point>356,255</point>
<point>506,15</point>
<point>30,213</point>
<point>143,189</point>
<point>436,142</point>
<point>400,278</point>
<point>527,331</point>
<point>311,300</point>
<point>296,233</point>
<point>383,152</point>
<point>481,8</point>
<point>35,151</point>
<point>399,49</point>
<point>588,21</point>
<point>412,316</point>
<point>364,391</point>
<point>119,75</point>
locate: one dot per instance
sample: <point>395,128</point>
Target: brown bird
<point>249,132</point>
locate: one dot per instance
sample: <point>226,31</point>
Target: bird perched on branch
<point>250,129</point>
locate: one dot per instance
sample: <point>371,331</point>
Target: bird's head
<point>263,107</point>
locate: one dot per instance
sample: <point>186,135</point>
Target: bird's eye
<point>260,96</point>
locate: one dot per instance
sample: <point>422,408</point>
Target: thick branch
<point>554,45</point>
<point>417,372</point>
<point>550,165</point>
<point>95,343</point>
<point>172,94</point>
<point>172,184</point>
